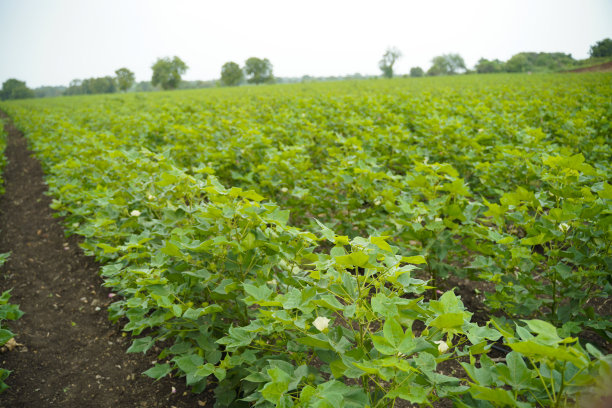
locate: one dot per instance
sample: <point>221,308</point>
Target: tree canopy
<point>447,64</point>
<point>231,74</point>
<point>484,66</point>
<point>167,72</point>
<point>389,58</point>
<point>125,78</point>
<point>15,89</point>
<point>258,71</point>
<point>602,48</point>
<point>90,86</point>
<point>416,72</point>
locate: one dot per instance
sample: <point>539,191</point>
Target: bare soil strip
<point>70,354</point>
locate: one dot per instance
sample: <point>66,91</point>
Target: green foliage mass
<point>602,48</point>
<point>167,72</point>
<point>91,86</point>
<point>231,74</point>
<point>125,78</point>
<point>447,64</point>
<point>15,89</point>
<point>258,71</point>
<point>416,72</point>
<point>281,243</point>
<point>389,59</point>
<point>8,311</point>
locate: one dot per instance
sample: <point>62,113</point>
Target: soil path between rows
<point>70,354</point>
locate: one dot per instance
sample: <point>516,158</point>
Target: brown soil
<point>605,67</point>
<point>70,354</point>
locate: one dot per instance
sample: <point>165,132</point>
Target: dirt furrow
<point>70,356</point>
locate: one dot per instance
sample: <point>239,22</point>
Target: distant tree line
<point>527,62</point>
<point>450,64</point>
<point>255,70</point>
<point>167,73</point>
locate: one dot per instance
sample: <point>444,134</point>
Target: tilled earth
<point>68,353</point>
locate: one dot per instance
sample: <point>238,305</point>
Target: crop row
<point>8,311</point>
<point>434,172</point>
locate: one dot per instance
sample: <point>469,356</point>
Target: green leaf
<point>316,341</point>
<point>189,363</point>
<point>415,260</point>
<point>280,216</point>
<point>515,373</point>
<point>383,346</point>
<point>381,243</point>
<point>448,321</point>
<point>545,331</point>
<point>158,371</point>
<point>606,192</point>
<point>141,345</point>
<point>5,335</point>
<point>535,240</point>
<point>171,250</point>
<point>497,396</point>
<point>416,394</point>
<point>393,332</point>
<point>258,293</point>
<point>531,348</point>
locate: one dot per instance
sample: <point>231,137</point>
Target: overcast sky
<point>51,42</point>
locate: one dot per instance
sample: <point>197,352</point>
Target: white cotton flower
<point>442,346</point>
<point>284,189</point>
<point>438,219</point>
<point>321,323</point>
<point>151,197</point>
<point>271,282</point>
<point>135,213</point>
<point>564,227</point>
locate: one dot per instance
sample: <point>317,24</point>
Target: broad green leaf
<point>515,372</point>
<point>158,371</point>
<point>448,321</point>
<point>415,260</point>
<point>393,332</point>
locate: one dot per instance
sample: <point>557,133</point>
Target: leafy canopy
<point>231,74</point>
<point>447,64</point>
<point>602,48</point>
<point>167,72</point>
<point>258,71</point>
<point>125,78</point>
<point>15,89</point>
<point>389,58</point>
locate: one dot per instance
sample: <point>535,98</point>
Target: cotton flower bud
<point>442,346</point>
<point>151,197</point>
<point>564,227</point>
<point>135,213</point>
<point>321,323</point>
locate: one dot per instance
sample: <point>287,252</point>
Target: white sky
<point>51,42</point>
